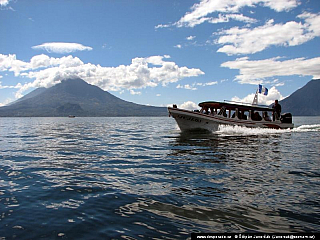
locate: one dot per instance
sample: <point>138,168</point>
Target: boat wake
<point>307,128</point>
<point>227,130</point>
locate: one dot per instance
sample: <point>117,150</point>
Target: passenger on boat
<point>204,110</point>
<point>257,117</point>
<point>266,116</point>
<point>252,114</point>
<point>276,110</point>
<point>212,111</point>
<point>241,115</point>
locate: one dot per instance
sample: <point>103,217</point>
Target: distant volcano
<point>76,97</point>
<point>305,101</point>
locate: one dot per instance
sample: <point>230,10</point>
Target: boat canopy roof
<point>233,106</point>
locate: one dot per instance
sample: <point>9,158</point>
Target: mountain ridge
<point>79,98</point>
<point>304,101</point>
<point>76,97</point>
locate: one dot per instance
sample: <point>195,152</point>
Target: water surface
<point>140,178</point>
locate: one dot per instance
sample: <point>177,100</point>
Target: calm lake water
<point>140,178</point>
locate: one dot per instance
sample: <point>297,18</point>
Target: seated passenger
<point>257,117</point>
<point>204,110</point>
<point>253,117</point>
<point>241,115</point>
<point>266,117</point>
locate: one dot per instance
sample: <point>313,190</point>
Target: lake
<point>141,178</point>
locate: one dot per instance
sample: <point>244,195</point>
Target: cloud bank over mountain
<point>141,73</point>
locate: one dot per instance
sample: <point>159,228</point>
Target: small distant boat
<point>71,116</point>
<point>213,114</point>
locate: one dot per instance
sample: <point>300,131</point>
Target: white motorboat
<point>213,114</point>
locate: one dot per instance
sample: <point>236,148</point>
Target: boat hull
<point>192,121</point>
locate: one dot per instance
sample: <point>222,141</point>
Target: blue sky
<point>161,52</point>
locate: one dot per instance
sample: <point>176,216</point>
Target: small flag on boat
<point>263,90</point>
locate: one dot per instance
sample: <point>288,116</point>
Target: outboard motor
<point>286,118</point>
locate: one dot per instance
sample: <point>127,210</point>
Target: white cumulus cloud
<point>200,11</point>
<point>132,92</point>
<point>255,72</point>
<point>11,86</point>
<point>46,71</point>
<point>273,94</point>
<point>193,85</point>
<point>312,23</point>
<point>187,86</point>
<point>248,41</point>
<point>189,105</point>
<point>226,18</point>
<point>4,2</point>
<point>62,47</point>
<point>12,64</point>
<point>190,38</point>
<point>207,84</point>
